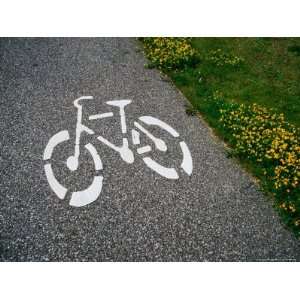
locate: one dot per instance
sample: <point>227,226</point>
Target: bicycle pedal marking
<point>135,137</point>
<point>92,193</point>
<point>144,149</point>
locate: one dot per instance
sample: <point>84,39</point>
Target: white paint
<point>143,150</point>
<point>96,157</point>
<point>84,197</point>
<point>169,173</point>
<point>101,116</point>
<point>86,129</point>
<point>187,162</point>
<point>154,121</point>
<point>135,137</point>
<point>73,161</point>
<point>76,102</point>
<point>78,198</point>
<point>56,187</point>
<point>159,144</point>
<point>88,195</point>
<point>124,151</point>
<point>121,104</point>
<point>55,140</point>
<point>108,143</point>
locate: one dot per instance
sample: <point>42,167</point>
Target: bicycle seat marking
<point>90,194</point>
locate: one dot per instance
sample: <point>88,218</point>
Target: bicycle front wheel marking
<point>187,162</point>
<point>169,173</point>
<point>154,121</point>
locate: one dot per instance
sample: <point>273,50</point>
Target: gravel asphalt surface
<point>216,214</point>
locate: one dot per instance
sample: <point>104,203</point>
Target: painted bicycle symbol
<point>90,194</point>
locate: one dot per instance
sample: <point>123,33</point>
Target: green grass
<point>265,71</point>
<point>269,74</point>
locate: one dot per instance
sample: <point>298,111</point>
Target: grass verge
<point>248,90</point>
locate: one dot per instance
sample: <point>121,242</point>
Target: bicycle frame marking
<point>101,116</point>
<point>124,151</point>
<point>90,194</point>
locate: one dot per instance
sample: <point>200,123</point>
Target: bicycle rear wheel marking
<point>88,195</point>
<point>54,141</point>
<point>57,188</point>
<point>79,198</point>
<point>95,155</point>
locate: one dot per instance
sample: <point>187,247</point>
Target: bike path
<point>216,213</point>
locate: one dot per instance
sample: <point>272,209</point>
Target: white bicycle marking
<point>153,121</point>
<point>121,104</point>
<point>159,144</point>
<point>135,137</point>
<point>96,157</point>
<point>187,162</point>
<point>90,194</point>
<point>54,141</point>
<point>72,161</point>
<point>169,173</point>
<point>125,153</point>
<point>101,116</point>
<point>143,150</point>
<point>57,188</point>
